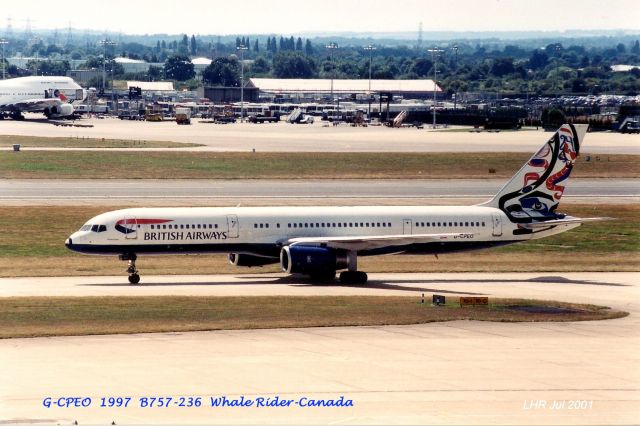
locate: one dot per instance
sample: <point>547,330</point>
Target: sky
<point>319,16</point>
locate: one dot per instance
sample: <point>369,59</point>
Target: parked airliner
<point>318,241</point>
<point>49,95</point>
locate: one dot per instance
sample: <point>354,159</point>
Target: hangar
<point>152,86</point>
<point>410,89</point>
<point>298,89</point>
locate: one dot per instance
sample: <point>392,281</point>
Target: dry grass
<point>64,316</point>
<point>481,261</point>
<point>31,246</point>
<point>82,142</point>
<point>211,165</point>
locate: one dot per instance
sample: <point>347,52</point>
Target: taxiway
<point>319,137</point>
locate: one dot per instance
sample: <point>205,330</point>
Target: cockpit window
<point>94,228</point>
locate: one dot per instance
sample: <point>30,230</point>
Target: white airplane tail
<point>535,191</point>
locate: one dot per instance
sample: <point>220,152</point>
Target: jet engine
<point>248,260</point>
<point>56,111</point>
<point>311,260</point>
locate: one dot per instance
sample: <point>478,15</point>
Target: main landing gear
<point>352,275</point>
<point>134,278</point>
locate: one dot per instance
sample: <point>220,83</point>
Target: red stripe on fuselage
<point>142,221</point>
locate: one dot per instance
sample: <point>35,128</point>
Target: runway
<point>319,137</point>
<point>85,189</point>
<point>459,372</point>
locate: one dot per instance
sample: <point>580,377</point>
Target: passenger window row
<point>264,225</point>
<point>185,226</point>
<point>436,224</point>
<point>340,225</point>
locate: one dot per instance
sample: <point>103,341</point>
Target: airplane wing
<point>33,105</point>
<point>567,221</point>
<point>376,241</point>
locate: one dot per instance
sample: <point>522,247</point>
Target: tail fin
<point>535,191</point>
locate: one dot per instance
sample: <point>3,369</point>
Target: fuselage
<point>261,231</point>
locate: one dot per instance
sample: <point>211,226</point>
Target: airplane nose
<point>68,242</point>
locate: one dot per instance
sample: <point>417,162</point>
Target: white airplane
<point>49,95</point>
<point>318,241</point>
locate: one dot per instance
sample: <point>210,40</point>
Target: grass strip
<point>74,316</point>
<point>83,142</point>
<point>212,165</point>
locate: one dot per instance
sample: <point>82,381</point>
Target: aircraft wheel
<point>353,277</point>
<point>323,278</point>
<point>134,278</point>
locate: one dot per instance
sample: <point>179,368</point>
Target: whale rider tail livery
<point>318,241</point>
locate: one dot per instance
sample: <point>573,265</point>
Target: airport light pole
<point>455,92</point>
<point>105,43</point>
<point>332,46</point>
<point>558,48</point>
<point>241,49</point>
<point>434,55</point>
<point>370,48</point>
<point>4,67</point>
<point>528,79</point>
<point>36,40</point>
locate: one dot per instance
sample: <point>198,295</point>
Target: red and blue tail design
<point>535,191</point>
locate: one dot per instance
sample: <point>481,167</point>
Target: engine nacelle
<point>249,260</point>
<point>62,110</point>
<point>311,260</point>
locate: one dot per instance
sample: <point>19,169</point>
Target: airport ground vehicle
<point>129,115</point>
<point>298,116</point>
<point>183,115</point>
<point>629,126</point>
<point>263,119</point>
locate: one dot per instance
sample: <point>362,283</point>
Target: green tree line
<point>579,67</point>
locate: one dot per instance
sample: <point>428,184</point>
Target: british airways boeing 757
<point>318,241</point>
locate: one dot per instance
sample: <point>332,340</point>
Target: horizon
<point>289,17</point>
<point>399,35</point>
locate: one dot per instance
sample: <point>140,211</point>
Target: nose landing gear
<point>134,278</point>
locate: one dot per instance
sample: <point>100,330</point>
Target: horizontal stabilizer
<point>567,221</point>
